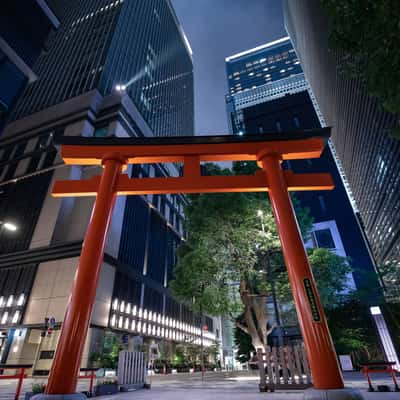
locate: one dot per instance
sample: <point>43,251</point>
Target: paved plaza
<point>217,386</point>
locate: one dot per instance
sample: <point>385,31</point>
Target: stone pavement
<point>218,386</point>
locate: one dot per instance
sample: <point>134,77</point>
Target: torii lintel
<point>191,151</point>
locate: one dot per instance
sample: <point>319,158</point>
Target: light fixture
<point>10,226</point>
<point>15,317</point>
<point>21,299</point>
<point>10,300</point>
<point>375,310</point>
<point>120,88</point>
<point>4,319</point>
<point>240,133</point>
<point>260,213</point>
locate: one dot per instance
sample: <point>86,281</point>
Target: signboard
<point>312,300</point>
<point>345,362</point>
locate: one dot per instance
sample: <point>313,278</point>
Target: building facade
<point>360,129</point>
<point>24,28</point>
<point>286,103</point>
<point>100,44</point>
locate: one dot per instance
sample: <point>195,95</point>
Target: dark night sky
<point>216,29</point>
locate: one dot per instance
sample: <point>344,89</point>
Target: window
<point>296,121</point>
<point>46,355</point>
<point>278,126</point>
<point>260,128</point>
<point>101,132</point>
<point>324,239</point>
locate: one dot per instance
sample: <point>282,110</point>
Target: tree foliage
<point>232,255</point>
<point>367,33</point>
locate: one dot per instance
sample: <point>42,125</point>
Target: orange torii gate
<point>268,150</point>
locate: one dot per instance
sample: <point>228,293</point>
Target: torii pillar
<point>114,153</point>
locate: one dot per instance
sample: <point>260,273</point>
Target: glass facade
<point>268,63</point>
<point>90,51</point>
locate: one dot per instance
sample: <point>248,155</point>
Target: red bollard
<point>92,376</point>
<point>20,381</point>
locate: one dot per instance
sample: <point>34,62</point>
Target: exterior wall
<point>360,129</point>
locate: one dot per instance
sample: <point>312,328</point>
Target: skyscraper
<point>120,68</point>
<point>24,28</point>
<point>360,129</point>
<point>283,101</point>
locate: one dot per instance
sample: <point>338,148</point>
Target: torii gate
<point>268,150</point>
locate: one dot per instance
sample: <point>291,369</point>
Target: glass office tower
<point>360,129</point>
<point>139,48</point>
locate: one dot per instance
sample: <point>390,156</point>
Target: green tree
<point>353,331</point>
<point>367,35</point>
<point>232,241</point>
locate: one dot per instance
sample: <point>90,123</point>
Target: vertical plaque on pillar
<point>311,300</point>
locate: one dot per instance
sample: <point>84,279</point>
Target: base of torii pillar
<point>72,396</point>
<point>333,394</point>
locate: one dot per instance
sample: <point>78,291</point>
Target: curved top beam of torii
<point>192,151</point>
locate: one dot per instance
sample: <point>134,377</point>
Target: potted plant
<point>36,389</point>
<point>106,387</point>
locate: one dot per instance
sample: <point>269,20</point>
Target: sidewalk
<point>217,386</point>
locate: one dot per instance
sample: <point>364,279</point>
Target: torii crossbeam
<point>268,150</point>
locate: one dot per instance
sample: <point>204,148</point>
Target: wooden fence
<point>131,369</point>
<point>284,367</point>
